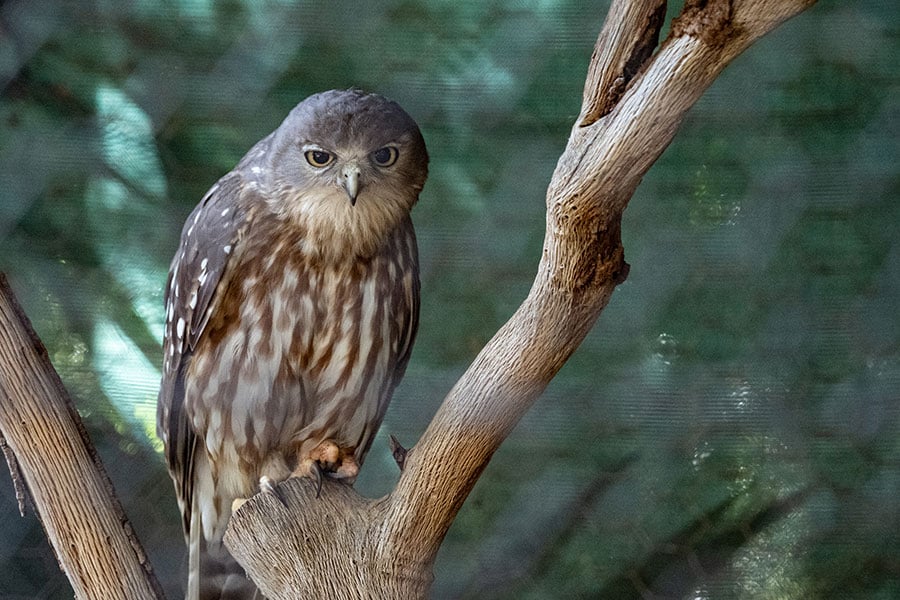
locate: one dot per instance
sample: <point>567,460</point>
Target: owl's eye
<point>385,157</point>
<point>319,158</point>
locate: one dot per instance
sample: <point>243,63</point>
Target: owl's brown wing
<point>208,240</point>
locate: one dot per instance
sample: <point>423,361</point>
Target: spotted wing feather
<point>210,235</point>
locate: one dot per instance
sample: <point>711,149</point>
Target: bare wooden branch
<point>629,36</point>
<point>634,102</point>
<point>93,541</point>
<point>333,551</point>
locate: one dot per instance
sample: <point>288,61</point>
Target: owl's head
<point>348,166</point>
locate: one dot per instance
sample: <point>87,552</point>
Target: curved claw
<point>316,471</point>
<point>268,486</point>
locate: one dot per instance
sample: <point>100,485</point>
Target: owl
<point>291,309</point>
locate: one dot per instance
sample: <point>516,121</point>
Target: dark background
<point>731,427</point>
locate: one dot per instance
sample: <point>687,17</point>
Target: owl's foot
<point>328,459</point>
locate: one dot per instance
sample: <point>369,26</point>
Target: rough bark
<point>344,545</point>
<point>50,454</point>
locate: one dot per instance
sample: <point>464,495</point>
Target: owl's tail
<point>213,574</point>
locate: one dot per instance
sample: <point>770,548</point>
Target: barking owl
<point>291,309</point>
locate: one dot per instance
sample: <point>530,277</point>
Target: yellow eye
<point>385,157</point>
<point>319,158</point>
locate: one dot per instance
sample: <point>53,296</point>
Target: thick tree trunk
<point>48,451</point>
<point>343,545</point>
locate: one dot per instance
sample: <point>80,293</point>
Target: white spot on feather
<point>179,328</point>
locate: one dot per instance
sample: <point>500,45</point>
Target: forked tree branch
<point>343,545</point>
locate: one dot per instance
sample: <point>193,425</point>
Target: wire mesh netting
<point>731,427</point>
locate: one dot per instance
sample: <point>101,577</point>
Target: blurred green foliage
<point>731,429</point>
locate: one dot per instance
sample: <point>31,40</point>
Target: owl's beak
<point>350,181</point>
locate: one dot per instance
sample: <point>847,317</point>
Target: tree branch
<point>629,36</point>
<point>344,545</point>
<point>51,452</point>
<point>633,103</point>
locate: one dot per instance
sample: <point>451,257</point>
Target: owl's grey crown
<point>353,116</point>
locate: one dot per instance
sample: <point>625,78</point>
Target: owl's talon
<point>269,486</point>
<point>316,471</point>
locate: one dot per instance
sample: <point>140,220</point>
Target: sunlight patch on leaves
<point>128,145</point>
<point>115,215</point>
<point>127,378</point>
